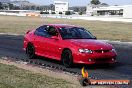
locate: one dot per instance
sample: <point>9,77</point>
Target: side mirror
<point>55,37</point>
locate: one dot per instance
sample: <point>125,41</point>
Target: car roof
<point>62,25</point>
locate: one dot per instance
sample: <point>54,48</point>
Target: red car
<point>69,44</point>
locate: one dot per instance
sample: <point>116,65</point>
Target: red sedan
<point>69,44</point>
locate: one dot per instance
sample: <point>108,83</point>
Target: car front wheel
<point>67,58</point>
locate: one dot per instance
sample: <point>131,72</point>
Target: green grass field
<point>102,30</point>
<point>13,77</point>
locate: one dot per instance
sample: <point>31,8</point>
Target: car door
<point>54,44</point>
<point>40,40</point>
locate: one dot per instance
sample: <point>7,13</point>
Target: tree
<point>16,8</point>
<point>82,9</point>
<point>11,6</point>
<point>104,4</point>
<point>33,7</point>
<point>1,5</point>
<point>95,2</point>
<point>38,8</point>
<point>5,6</point>
<point>80,13</point>
<point>52,7</point>
<point>76,9</point>
<point>27,7</point>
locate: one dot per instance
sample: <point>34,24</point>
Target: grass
<point>13,77</point>
<point>102,30</point>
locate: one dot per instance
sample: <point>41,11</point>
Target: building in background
<point>91,7</point>
<point>61,6</point>
<point>127,11</point>
<point>110,11</point>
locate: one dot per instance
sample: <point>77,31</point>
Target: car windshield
<point>75,33</point>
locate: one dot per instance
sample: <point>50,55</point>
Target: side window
<point>52,31</point>
<point>42,31</point>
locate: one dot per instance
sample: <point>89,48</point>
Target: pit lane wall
<point>20,13</point>
<point>12,14</point>
<point>81,17</point>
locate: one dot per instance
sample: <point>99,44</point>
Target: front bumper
<point>95,58</point>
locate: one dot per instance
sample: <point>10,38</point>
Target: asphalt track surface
<point>11,46</point>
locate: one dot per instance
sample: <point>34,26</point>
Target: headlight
<point>113,50</point>
<point>85,51</point>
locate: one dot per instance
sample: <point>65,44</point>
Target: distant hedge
<point>52,12</point>
<point>60,13</point>
<point>80,13</point>
<point>44,12</point>
<point>67,13</point>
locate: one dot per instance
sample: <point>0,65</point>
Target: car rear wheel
<point>30,51</point>
<point>67,58</point>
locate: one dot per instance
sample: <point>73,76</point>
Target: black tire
<point>30,51</point>
<point>67,58</point>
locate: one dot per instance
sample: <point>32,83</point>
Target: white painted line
<point>10,34</point>
<point>117,42</point>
